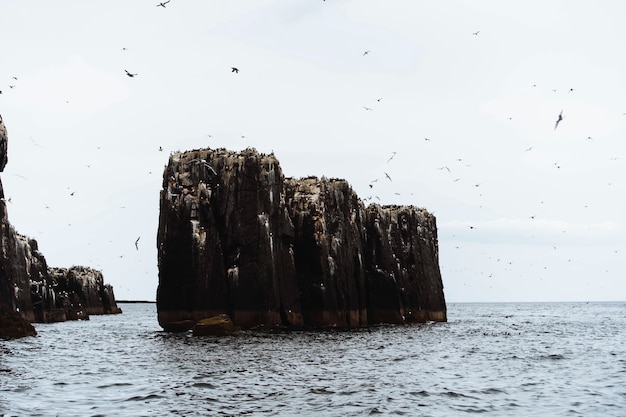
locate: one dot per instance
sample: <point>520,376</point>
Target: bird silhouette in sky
<point>129,74</point>
<point>558,120</point>
<point>388,177</point>
<point>234,69</point>
<point>366,52</point>
<point>137,243</point>
<point>162,4</point>
<point>367,108</point>
<point>476,33</point>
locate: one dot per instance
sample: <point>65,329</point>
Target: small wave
<point>421,393</point>
<point>554,356</point>
<point>492,391</point>
<point>453,394</point>
<point>323,390</point>
<point>203,385</point>
<point>114,384</point>
<point>143,397</point>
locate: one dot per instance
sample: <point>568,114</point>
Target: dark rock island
<point>30,291</point>
<point>237,238</point>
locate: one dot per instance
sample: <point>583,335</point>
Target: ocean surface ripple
<point>500,359</point>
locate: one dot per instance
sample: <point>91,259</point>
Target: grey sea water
<point>509,359</point>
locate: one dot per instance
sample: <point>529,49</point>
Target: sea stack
<point>237,238</point>
<point>30,291</point>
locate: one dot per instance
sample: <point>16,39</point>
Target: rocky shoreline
<point>30,291</point>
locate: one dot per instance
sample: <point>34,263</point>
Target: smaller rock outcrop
<point>83,292</point>
<point>221,325</point>
<point>13,325</point>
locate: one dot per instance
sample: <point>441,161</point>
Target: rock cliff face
<point>32,292</point>
<point>235,237</point>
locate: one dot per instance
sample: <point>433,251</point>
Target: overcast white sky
<point>465,93</point>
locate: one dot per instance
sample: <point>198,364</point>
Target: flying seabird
<point>203,162</point>
<point>366,52</point>
<point>367,108</point>
<point>388,177</point>
<point>162,4</point>
<point>129,74</point>
<point>234,69</point>
<point>392,155</point>
<point>558,120</point>
<point>476,33</point>
<point>137,243</point>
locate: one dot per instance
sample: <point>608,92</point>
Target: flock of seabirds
<point>235,70</point>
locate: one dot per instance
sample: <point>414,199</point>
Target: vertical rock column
<point>225,241</point>
<point>403,276</point>
<point>329,231</point>
<point>19,262</point>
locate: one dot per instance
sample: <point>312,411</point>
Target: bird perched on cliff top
<point>129,74</point>
<point>234,69</point>
<point>558,120</point>
<point>163,4</point>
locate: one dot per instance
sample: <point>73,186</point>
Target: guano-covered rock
<point>237,238</point>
